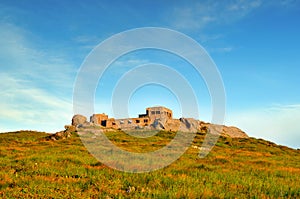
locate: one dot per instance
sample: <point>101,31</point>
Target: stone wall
<point>159,112</point>
<point>99,119</point>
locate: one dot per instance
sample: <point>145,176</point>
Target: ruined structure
<point>158,112</point>
<point>99,119</point>
<point>152,114</point>
<point>157,118</point>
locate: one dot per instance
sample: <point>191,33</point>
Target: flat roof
<point>158,107</point>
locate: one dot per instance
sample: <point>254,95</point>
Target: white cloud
<point>242,5</point>
<point>209,37</point>
<point>36,85</point>
<point>288,2</point>
<point>23,60</point>
<point>279,124</point>
<point>198,15</point>
<point>34,108</point>
<point>130,62</point>
<point>220,50</point>
<point>192,17</point>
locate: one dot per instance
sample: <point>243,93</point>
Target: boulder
<point>172,125</point>
<point>159,124</point>
<point>70,128</point>
<point>59,135</point>
<point>233,132</point>
<point>189,125</point>
<point>183,124</point>
<point>225,131</point>
<point>78,119</point>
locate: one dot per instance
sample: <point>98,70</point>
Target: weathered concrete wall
<point>111,123</point>
<point>159,112</point>
<point>132,122</point>
<point>99,119</point>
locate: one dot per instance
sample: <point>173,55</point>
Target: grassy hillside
<point>32,167</point>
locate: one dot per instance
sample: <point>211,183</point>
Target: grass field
<point>32,167</point>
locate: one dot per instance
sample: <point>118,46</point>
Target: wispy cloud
<point>36,84</point>
<point>22,58</point>
<point>87,42</point>
<point>130,62</point>
<point>198,15</point>
<point>192,17</point>
<point>124,64</point>
<point>279,123</point>
<point>287,2</point>
<point>209,37</point>
<point>28,106</point>
<point>243,6</point>
<point>220,50</point>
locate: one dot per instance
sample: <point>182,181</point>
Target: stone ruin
<point>151,118</point>
<point>155,118</point>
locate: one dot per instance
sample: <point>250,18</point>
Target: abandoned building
<point>158,112</point>
<point>99,119</point>
<point>152,114</point>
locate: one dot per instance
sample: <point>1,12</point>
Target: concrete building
<point>152,113</point>
<point>158,112</point>
<point>99,119</point>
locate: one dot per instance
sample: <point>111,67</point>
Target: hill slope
<point>32,166</point>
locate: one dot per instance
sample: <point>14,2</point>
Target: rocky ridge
<point>182,124</point>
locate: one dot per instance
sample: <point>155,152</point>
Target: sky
<point>254,44</point>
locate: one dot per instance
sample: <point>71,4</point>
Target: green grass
<point>31,167</point>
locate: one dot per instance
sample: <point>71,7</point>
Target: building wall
<point>112,123</point>
<point>152,113</point>
<point>99,119</point>
<point>159,113</point>
<point>132,122</point>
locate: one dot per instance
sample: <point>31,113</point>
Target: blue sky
<point>255,45</point>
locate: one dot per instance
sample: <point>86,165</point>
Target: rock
<point>78,119</point>
<point>70,128</point>
<point>183,124</point>
<point>59,135</point>
<point>158,124</point>
<point>172,125</point>
<point>233,132</point>
<point>225,131</point>
<point>189,125</point>
<point>166,124</point>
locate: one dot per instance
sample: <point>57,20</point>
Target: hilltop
<point>34,166</point>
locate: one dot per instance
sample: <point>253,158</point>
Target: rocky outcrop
<point>172,125</point>
<point>68,132</point>
<point>182,124</point>
<point>233,132</point>
<point>159,124</point>
<point>189,125</point>
<point>193,125</point>
<point>225,131</point>
<point>78,119</point>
